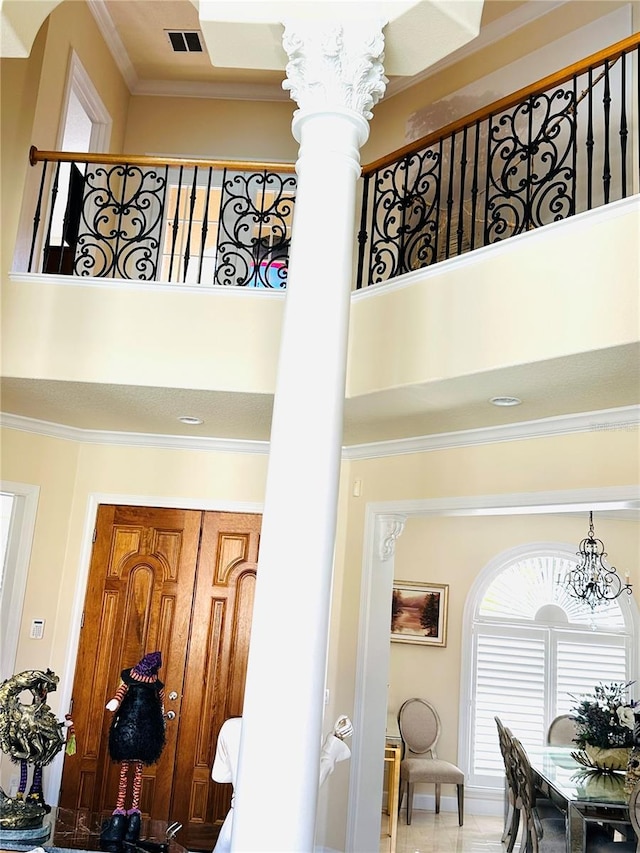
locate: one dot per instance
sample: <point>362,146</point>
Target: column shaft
<point>336,78</point>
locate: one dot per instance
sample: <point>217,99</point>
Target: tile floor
<point>432,833</point>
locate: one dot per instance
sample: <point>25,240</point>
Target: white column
<point>335,75</point>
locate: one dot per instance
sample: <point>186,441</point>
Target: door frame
<point>383,524</point>
<point>53,777</point>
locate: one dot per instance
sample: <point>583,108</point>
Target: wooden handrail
<point>613,52</point>
<point>36,156</point>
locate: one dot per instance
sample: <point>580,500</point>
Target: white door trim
<point>383,523</point>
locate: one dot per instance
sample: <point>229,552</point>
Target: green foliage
<point>599,720</point>
<point>430,613</point>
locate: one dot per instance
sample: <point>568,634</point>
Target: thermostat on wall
<point>37,629</point>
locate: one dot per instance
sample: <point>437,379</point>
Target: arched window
<point>531,648</point>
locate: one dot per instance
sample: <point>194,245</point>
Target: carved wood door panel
<point>216,672</point>
<point>180,581</point>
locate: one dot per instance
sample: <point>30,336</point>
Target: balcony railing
<point>564,145</point>
<point>182,221</point>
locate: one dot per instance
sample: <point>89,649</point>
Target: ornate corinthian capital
<point>335,65</point>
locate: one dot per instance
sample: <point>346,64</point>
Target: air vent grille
<point>185,41</point>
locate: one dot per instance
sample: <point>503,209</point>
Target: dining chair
<point>539,835</point>
<point>562,731</point>
<point>420,729</point>
<point>512,803</point>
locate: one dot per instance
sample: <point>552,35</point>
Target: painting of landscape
<point>419,613</point>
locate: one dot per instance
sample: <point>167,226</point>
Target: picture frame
<point>419,613</point>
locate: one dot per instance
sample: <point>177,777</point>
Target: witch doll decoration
<point>136,739</point>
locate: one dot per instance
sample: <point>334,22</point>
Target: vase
<point>608,759</point>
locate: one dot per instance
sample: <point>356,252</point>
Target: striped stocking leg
<point>122,788</point>
<point>137,787</point>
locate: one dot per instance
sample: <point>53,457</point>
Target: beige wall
<point>19,80</point>
<point>229,340</point>
<point>518,288</point>
<point>38,103</point>
<point>581,461</point>
<point>157,336</point>
<point>454,551</point>
<point>388,127</point>
<point>215,129</point>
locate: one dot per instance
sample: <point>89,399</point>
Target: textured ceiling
<point>581,383</point>
<point>137,34</point>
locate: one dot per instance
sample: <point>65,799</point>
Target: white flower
<point>626,716</point>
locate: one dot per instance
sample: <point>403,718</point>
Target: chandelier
<point>591,581</point>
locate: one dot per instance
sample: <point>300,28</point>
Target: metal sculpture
<point>29,734</point>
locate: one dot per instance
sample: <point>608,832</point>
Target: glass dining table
<point>585,795</point>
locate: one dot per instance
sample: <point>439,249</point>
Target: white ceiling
<point>581,383</point>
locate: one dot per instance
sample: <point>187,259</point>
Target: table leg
<point>575,830</point>
<point>392,756</point>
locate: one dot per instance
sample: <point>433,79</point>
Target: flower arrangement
<point>605,718</point>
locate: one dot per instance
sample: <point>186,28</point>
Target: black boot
<point>114,829</point>
<point>133,828</point>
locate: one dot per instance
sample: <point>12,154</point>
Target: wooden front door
<point>182,582</point>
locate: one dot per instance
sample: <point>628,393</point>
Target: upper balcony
<point>171,274</point>
<point>564,145</point>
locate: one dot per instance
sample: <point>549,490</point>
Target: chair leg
<point>460,805</point>
<point>409,803</point>
<point>508,818</point>
<point>437,798</point>
<point>400,788</point>
<point>513,829</point>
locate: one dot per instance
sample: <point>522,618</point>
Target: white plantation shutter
<point>533,650</point>
<point>510,681</point>
<point>581,664</point>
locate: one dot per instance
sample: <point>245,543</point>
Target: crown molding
<point>608,420</point>
<point>133,439</point>
<point>217,91</point>
<point>113,41</point>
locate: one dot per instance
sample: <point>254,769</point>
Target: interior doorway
<point>85,127</point>
<point>180,582</point>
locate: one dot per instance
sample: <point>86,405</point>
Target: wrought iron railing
<point>564,145</point>
<point>182,221</point>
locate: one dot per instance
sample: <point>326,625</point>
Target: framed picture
<point>419,613</point>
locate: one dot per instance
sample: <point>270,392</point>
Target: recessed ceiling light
<point>187,419</point>
<point>505,401</point>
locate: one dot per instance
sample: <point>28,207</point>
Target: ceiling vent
<point>185,41</point>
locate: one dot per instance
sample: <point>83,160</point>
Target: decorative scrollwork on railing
<point>531,175</point>
<point>119,232</point>
<point>557,148</point>
<point>404,228</point>
<point>254,229</point>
